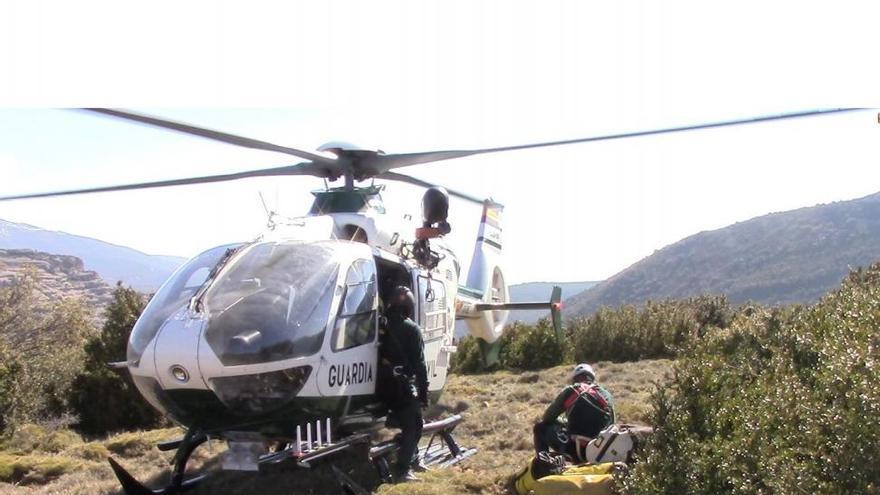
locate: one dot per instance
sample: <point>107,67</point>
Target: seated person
<point>589,409</point>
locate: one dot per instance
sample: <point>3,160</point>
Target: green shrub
<point>781,401</point>
<point>107,400</point>
<point>40,353</point>
<point>658,330</point>
<point>468,358</point>
<point>10,383</point>
<point>530,347</point>
<point>521,347</point>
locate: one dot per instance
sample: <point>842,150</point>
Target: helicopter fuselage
<point>280,332</point>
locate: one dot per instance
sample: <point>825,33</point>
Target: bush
<point>530,347</point>
<point>659,330</point>
<point>521,347</point>
<point>468,358</point>
<point>10,383</point>
<point>40,353</point>
<point>781,401</point>
<point>107,400</point>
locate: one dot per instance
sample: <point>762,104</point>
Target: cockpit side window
<point>357,319</point>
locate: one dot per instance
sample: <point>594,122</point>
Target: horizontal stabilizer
<point>554,305</point>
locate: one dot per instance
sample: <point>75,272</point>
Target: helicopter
<point>272,345</point>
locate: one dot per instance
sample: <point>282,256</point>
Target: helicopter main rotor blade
<point>211,134</point>
<point>419,182</point>
<point>383,163</point>
<point>305,168</point>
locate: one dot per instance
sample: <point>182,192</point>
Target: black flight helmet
<point>402,301</point>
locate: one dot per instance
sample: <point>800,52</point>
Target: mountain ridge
<point>791,256</point>
<point>144,272</point>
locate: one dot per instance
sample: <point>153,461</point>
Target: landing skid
<point>185,448</point>
<point>441,451</point>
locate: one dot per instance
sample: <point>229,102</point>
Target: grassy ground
<point>500,409</point>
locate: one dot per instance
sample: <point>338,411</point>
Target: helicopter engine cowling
<point>486,278</point>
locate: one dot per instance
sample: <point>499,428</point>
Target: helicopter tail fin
<point>486,278</point>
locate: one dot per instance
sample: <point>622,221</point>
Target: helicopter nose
<point>176,354</point>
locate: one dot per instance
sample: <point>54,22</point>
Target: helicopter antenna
<point>270,214</point>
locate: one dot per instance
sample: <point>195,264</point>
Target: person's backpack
<point>615,443</point>
<point>588,411</point>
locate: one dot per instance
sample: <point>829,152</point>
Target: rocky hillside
<point>113,263</point>
<point>57,277</point>
<point>788,257</point>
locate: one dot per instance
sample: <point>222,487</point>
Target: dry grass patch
<point>499,420</point>
<point>500,409</point>
<point>137,443</point>
<point>35,468</point>
<point>88,451</point>
<point>36,438</point>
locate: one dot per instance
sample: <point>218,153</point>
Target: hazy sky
<point>407,76</point>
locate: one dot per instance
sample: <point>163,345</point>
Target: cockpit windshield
<point>174,294</point>
<point>271,303</point>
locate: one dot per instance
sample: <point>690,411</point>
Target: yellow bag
<point>591,479</point>
<point>523,482</point>
<point>574,484</point>
<point>541,465</point>
<point>603,468</point>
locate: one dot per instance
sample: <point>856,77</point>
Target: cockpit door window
<point>356,322</point>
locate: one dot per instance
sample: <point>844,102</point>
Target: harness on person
<point>588,411</point>
<point>397,381</point>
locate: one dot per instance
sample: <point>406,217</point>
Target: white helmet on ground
<point>583,369</point>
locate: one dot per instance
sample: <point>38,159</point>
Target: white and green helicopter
<point>272,345</point>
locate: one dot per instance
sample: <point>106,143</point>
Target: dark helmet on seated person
<point>402,301</point>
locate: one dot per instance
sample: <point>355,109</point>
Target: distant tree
<point>106,400</point>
